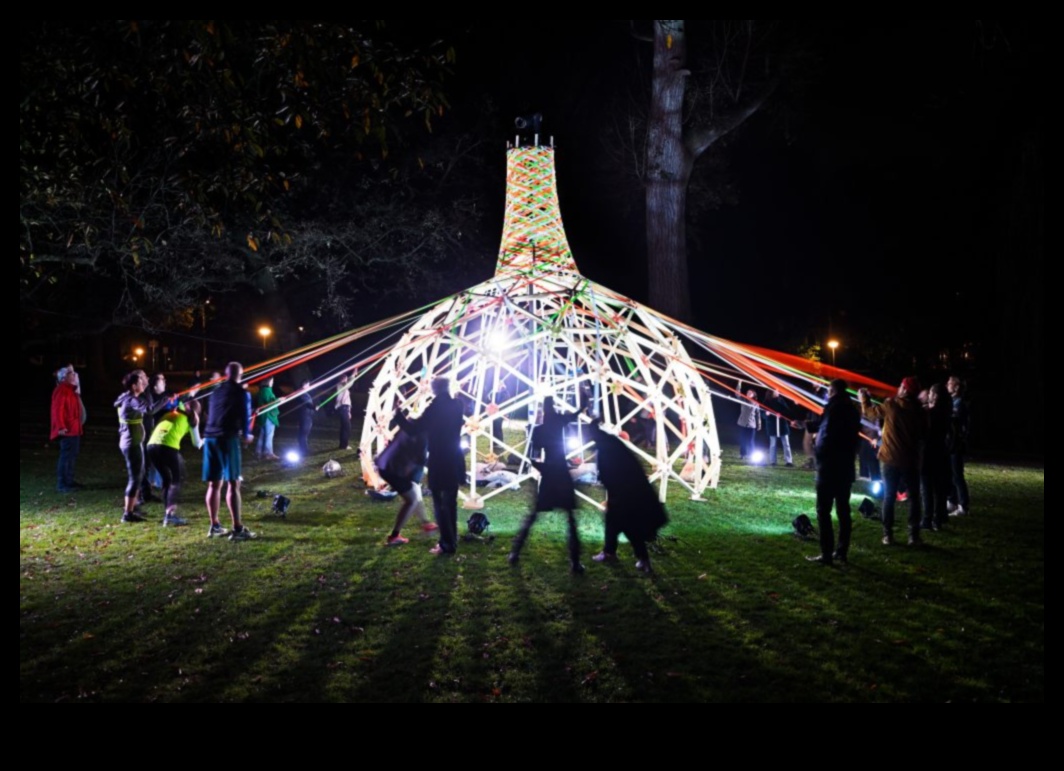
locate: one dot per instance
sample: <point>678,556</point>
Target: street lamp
<point>264,333</point>
<point>834,346</point>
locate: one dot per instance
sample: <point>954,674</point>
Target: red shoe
<point>430,527</point>
<point>396,540</point>
<point>903,497</point>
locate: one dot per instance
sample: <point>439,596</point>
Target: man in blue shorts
<point>228,427</point>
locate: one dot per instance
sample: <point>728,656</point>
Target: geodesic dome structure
<point>538,328</point>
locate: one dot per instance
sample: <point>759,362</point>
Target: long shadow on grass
<point>416,599</point>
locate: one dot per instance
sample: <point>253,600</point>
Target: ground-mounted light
<point>281,505</point>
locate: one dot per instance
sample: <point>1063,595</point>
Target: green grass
<point>318,610</point>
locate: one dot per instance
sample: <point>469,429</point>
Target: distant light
<point>465,444</point>
<point>757,457</point>
<point>292,457</point>
<point>573,443</point>
<point>877,488</point>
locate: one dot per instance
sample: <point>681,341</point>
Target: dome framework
<point>539,328</point>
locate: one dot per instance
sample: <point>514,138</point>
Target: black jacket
<point>838,431</point>
<point>777,417</point>
<point>228,412</point>
<point>632,503</point>
<point>441,424</point>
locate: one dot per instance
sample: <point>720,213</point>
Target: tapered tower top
<point>533,237</point>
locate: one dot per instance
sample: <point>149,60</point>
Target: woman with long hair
<point>132,405</point>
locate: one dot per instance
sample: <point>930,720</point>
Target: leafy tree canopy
<point>163,161</point>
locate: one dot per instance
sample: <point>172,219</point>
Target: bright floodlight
<point>758,457</point>
<point>573,443</point>
<point>877,488</point>
<point>497,340</point>
<point>292,457</point>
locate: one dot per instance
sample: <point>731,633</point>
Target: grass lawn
<point>318,609</point>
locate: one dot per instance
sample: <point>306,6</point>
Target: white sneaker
<point>243,534</point>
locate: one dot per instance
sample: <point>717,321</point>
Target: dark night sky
<point>891,195</point>
<point>878,195</point>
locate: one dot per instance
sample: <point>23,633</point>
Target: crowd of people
<point>915,441</point>
<point>922,443</point>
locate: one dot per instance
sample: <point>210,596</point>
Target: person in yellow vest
<point>164,451</point>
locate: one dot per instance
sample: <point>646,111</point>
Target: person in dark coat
<point>960,499</point>
<point>904,429</point>
<point>776,423</point>
<point>837,432</point>
<point>632,506</point>
<point>936,477</point>
<point>227,429</point>
<point>441,424</point>
<point>159,400</point>
<point>556,489</point>
<point>402,465</point>
<point>305,410</point>
<point>867,451</point>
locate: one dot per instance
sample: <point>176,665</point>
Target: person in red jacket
<point>67,419</point>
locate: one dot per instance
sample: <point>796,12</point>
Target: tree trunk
<point>668,172</point>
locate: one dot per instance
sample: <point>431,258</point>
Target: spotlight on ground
<point>757,458</point>
<point>280,506</point>
<point>293,458</point>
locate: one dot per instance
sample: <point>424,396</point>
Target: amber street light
<point>264,333</point>
<point>834,346</point>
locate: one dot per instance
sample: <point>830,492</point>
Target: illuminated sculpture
<point>539,328</point>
